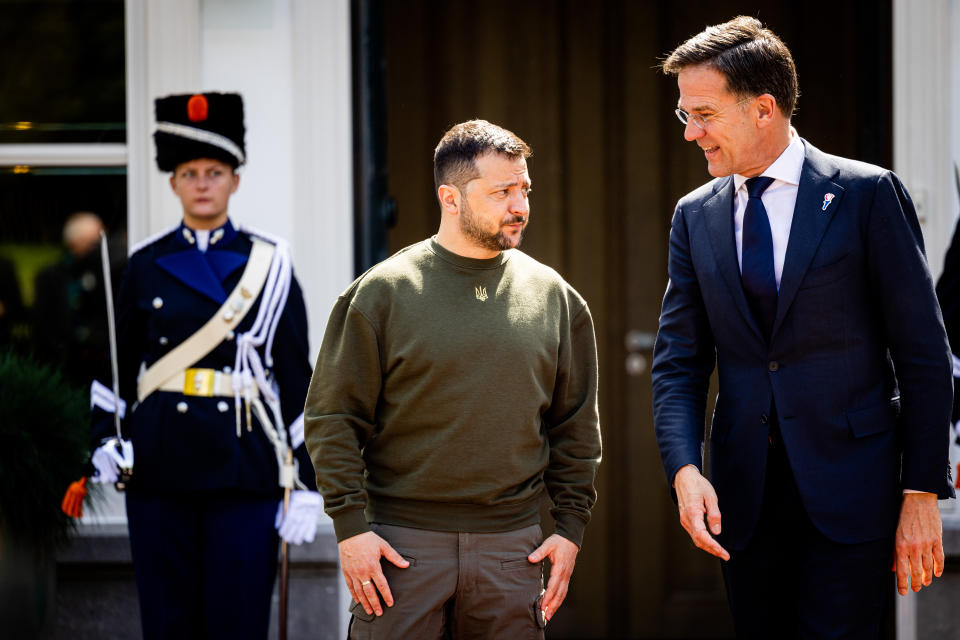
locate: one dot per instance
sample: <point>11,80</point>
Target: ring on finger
<point>364,583</point>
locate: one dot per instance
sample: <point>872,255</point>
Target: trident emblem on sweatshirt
<point>481,293</point>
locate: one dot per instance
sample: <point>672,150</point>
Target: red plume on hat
<point>201,125</point>
<point>198,107</point>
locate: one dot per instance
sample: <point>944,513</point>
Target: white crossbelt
<point>215,330</point>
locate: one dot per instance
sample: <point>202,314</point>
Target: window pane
<point>51,287</point>
<point>63,72</point>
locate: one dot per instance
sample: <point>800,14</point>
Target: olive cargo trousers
<point>459,586</point>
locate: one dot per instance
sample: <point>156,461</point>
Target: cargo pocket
<point>538,613</point>
<point>360,620</point>
<point>517,564</point>
<point>521,577</point>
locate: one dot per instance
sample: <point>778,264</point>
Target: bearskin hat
<point>201,125</point>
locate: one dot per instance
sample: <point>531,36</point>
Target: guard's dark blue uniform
<point>202,501</point>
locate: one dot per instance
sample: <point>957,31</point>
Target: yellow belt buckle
<point>198,382</point>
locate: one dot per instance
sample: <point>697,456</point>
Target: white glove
<point>299,524</point>
<point>108,461</point>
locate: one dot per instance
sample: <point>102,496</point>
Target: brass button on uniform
<point>182,407</point>
<point>157,302</point>
<point>774,365</point>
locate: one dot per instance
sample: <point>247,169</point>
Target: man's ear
<point>766,109</point>
<point>173,182</point>
<point>449,197</point>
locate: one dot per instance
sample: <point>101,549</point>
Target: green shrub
<point>44,435</point>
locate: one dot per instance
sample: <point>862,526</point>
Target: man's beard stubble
<point>470,227</point>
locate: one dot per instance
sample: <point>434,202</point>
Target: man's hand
<point>918,554</point>
<point>696,497</point>
<point>360,563</point>
<point>563,555</point>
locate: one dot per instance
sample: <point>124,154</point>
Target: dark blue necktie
<point>759,278</point>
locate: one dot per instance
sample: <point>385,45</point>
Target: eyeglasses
<point>701,121</point>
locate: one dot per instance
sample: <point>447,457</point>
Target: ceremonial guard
<point>213,372</point>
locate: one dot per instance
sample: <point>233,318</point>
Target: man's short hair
<point>751,57</point>
<point>454,159</point>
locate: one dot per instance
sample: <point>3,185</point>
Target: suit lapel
<point>810,222</point>
<point>718,212</point>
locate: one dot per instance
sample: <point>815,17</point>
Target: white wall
<point>926,109</point>
<point>245,48</point>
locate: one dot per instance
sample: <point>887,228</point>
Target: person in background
<point>69,315</point>
<point>11,303</point>
<point>212,337</point>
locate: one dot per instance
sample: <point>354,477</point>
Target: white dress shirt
<point>779,200</point>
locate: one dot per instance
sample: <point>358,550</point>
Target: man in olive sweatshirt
<point>456,382</point>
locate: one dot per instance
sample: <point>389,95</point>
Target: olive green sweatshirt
<point>450,392</point>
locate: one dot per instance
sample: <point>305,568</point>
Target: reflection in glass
<point>51,287</point>
<point>63,71</point>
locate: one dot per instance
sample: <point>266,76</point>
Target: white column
<point>323,156</point>
<point>163,57</point>
<point>924,115</point>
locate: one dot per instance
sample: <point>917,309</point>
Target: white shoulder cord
<point>248,366</point>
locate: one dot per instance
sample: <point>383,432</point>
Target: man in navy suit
<point>802,278</point>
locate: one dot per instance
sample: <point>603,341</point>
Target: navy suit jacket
<point>857,367</point>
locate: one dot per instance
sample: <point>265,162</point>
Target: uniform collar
<point>218,238</point>
<point>204,272</point>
